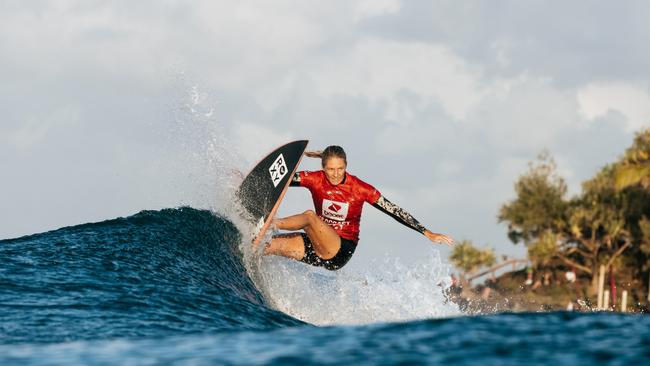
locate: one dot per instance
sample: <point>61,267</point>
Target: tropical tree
<point>469,259</point>
<point>634,168</point>
<point>540,205</point>
<point>632,176</point>
<point>582,233</point>
<point>607,221</point>
<point>543,250</point>
<point>598,234</point>
<point>538,215</point>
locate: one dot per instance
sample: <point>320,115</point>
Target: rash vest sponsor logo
<point>335,210</point>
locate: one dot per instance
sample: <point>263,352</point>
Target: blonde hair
<point>332,151</point>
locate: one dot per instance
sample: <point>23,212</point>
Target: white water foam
<point>385,290</point>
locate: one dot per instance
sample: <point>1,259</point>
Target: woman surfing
<point>331,231</point>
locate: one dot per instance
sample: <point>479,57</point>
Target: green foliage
<point>540,205</point>
<point>634,169</point>
<point>632,174</point>
<point>608,223</point>
<point>599,212</point>
<point>543,250</point>
<point>469,258</point>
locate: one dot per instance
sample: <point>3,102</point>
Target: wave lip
<point>156,273</point>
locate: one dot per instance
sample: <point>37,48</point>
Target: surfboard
<point>264,187</point>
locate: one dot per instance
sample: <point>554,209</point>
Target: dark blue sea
<point>175,287</point>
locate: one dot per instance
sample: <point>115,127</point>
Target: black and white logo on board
<point>278,170</point>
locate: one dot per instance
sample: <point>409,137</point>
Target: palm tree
<point>634,169</point>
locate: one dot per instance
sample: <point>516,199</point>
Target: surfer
<point>331,232</point>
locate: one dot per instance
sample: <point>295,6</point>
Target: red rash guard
<point>339,206</point>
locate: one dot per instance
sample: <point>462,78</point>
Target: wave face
<point>171,286</point>
<point>170,272</point>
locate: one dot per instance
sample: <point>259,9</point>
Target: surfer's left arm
<point>405,218</point>
<point>295,180</point>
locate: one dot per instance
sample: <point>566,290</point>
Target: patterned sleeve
<point>398,214</point>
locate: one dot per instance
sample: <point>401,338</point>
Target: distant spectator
<point>529,278</point>
<point>570,276</point>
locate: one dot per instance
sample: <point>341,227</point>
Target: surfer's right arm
<point>406,219</point>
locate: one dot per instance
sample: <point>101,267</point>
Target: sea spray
<point>206,162</point>
<point>384,290</point>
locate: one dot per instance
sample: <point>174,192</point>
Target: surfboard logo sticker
<point>278,170</point>
<point>335,210</point>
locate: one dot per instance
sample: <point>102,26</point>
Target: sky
<point>108,108</point>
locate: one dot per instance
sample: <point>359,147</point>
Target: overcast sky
<point>111,107</point>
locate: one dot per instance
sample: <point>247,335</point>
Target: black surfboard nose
<point>264,187</point>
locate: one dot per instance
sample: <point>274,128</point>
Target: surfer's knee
<point>312,217</point>
<point>310,214</point>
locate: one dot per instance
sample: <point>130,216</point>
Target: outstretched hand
<point>439,238</point>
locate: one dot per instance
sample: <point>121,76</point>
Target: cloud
<point>525,114</point>
<point>35,129</point>
<point>440,105</point>
<point>630,99</point>
<point>570,43</point>
<point>382,69</point>
<point>371,8</point>
<point>251,138</point>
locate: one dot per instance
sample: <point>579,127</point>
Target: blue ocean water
<point>172,287</point>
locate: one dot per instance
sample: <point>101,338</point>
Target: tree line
<point>607,223</point>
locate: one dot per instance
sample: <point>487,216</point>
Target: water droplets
<point>385,290</point>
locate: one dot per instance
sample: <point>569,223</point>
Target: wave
<point>183,271</point>
<point>173,271</point>
<point>181,285</point>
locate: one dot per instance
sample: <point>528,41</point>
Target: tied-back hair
<point>332,151</point>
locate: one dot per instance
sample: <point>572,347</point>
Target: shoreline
<point>511,293</point>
